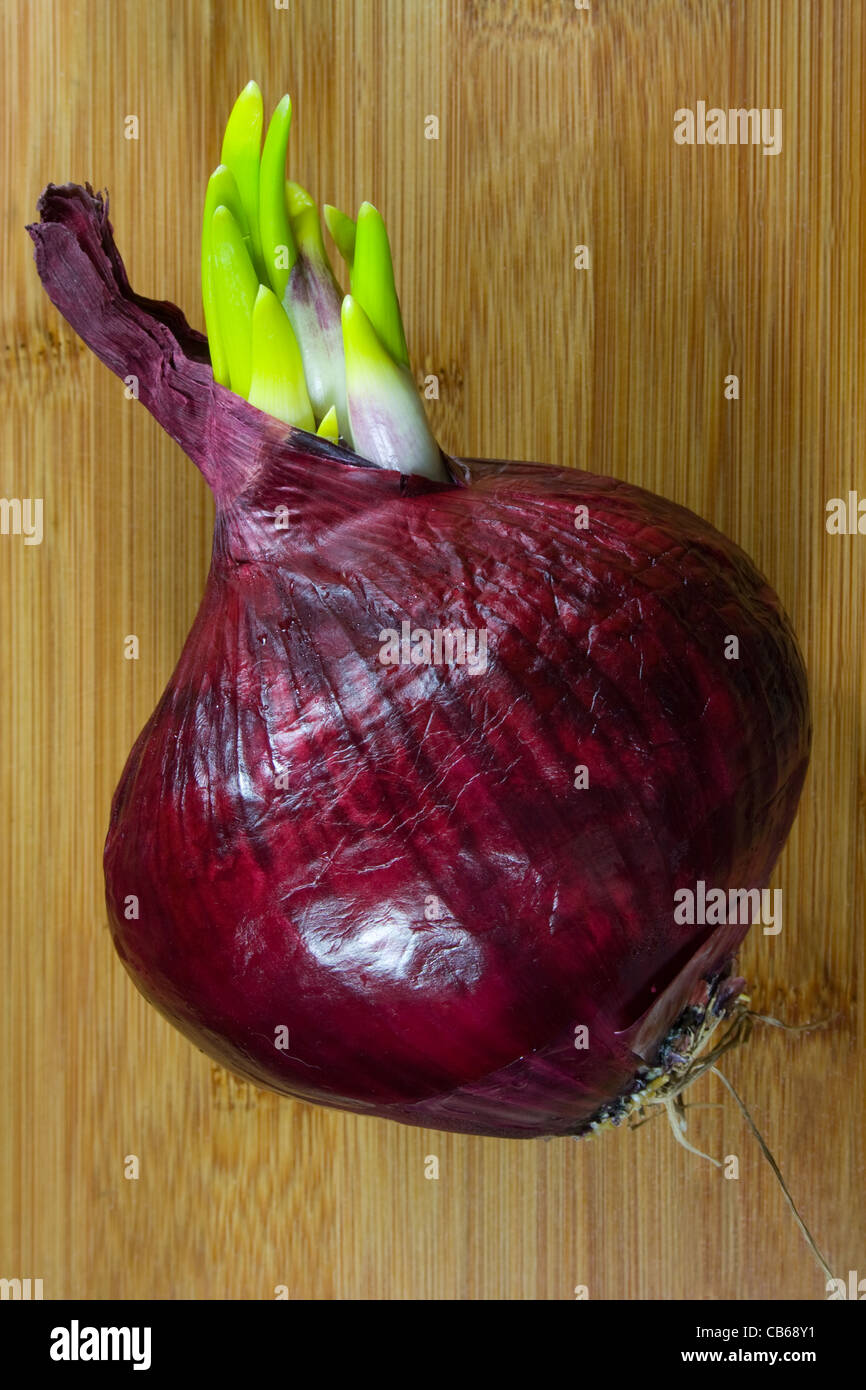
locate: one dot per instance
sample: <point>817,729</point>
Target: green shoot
<point>235,285</point>
<point>280,332</point>
<point>278,242</point>
<point>342,229</point>
<point>240,152</point>
<point>386,415</point>
<point>304,217</point>
<point>373,282</point>
<point>277,377</point>
<point>329,429</point>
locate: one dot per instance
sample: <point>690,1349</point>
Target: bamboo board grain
<point>555,130</point>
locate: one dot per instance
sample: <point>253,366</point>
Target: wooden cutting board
<point>555,130</point>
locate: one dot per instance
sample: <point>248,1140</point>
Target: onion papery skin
<point>394,863</point>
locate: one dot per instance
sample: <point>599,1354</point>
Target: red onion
<point>384,887</point>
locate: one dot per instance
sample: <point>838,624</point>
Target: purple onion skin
<point>427,903</point>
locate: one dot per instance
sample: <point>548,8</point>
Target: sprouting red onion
<point>382,887</point>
